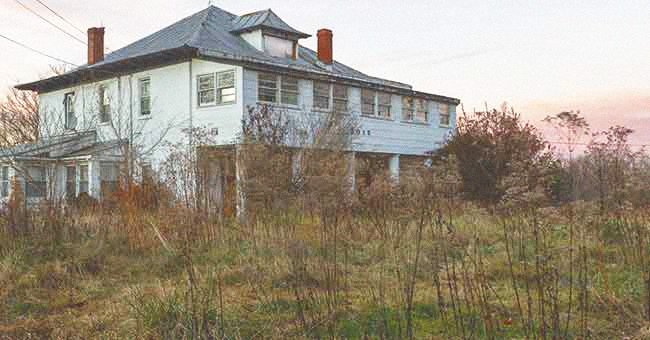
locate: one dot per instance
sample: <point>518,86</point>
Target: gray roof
<point>214,33</point>
<point>266,19</point>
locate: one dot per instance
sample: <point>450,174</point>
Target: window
<point>367,102</point>
<point>445,118</point>
<point>267,88</point>
<point>277,89</point>
<point>70,117</point>
<point>83,179</point>
<point>109,173</point>
<point>421,112</point>
<point>4,181</point>
<point>340,98</point>
<point>289,90</point>
<point>321,95</point>
<point>104,104</point>
<point>36,183</point>
<point>384,104</point>
<point>226,87</point>
<point>207,90</point>
<point>408,108</point>
<point>145,96</point>
<point>71,181</point>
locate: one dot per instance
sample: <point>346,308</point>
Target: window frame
<point>31,184</point>
<point>275,88</point>
<point>73,192</point>
<point>219,88</point>
<point>408,108</point>
<point>345,99</point>
<point>380,105</point>
<point>421,103</point>
<point>213,89</point>
<point>278,91</point>
<point>83,179</point>
<point>110,185</point>
<point>69,113</point>
<point>104,103</point>
<point>4,181</point>
<point>446,113</point>
<point>364,104</point>
<point>329,96</point>
<point>282,90</point>
<point>142,97</point>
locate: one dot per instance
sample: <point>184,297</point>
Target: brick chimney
<point>325,46</point>
<point>95,45</point>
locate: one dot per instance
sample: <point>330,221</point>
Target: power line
<point>37,51</point>
<point>61,17</point>
<point>49,22</point>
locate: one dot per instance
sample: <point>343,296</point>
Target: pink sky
<point>542,57</point>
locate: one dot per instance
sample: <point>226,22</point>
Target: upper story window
<point>375,103</point>
<point>217,88</point>
<point>340,98</point>
<point>4,181</point>
<point>277,89</point>
<point>384,104</point>
<point>445,117</point>
<point>289,90</point>
<point>322,93</point>
<point>145,96</point>
<point>68,107</point>
<point>421,112</point>
<point>36,183</point>
<point>104,103</point>
<point>408,108</point>
<point>367,102</point>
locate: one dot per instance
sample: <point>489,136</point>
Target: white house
<point>207,70</point>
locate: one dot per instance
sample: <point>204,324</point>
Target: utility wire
<point>37,51</point>
<point>49,22</point>
<point>61,17</point>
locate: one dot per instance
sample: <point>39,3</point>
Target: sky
<point>541,57</point>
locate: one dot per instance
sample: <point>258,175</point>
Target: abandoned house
<point>208,70</point>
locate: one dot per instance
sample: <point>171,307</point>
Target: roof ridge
<point>201,26</point>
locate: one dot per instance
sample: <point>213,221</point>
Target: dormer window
<point>278,47</point>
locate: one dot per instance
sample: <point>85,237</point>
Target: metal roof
<point>213,32</point>
<point>265,19</point>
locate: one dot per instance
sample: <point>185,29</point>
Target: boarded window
<point>445,118</point>
<point>70,117</point>
<point>384,107</point>
<point>4,181</point>
<point>408,108</point>
<point>289,90</point>
<point>321,95</point>
<point>368,102</point>
<point>340,98</point>
<point>267,87</point>
<point>145,96</point>
<point>421,112</point>
<point>71,181</point>
<point>36,182</point>
<point>83,179</point>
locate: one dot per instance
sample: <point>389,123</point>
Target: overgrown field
<point>555,273</point>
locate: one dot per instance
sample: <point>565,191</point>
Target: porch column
<point>240,173</point>
<point>393,168</point>
<point>352,171</point>
<point>94,179</point>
